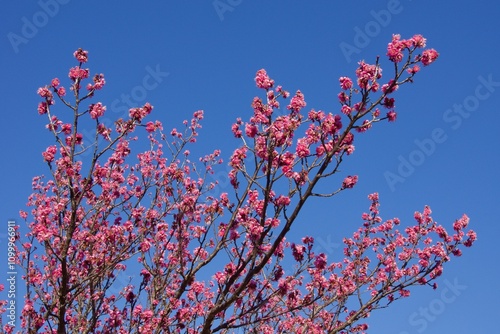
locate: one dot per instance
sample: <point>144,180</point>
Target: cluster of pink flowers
<point>345,83</point>
<point>391,116</point>
<point>368,75</point>
<point>43,107</point>
<point>99,82</point>
<point>104,131</point>
<point>49,153</point>
<point>297,102</point>
<point>397,47</point>
<point>154,126</point>
<point>390,87</point>
<point>60,91</point>
<point>263,81</point>
<point>77,73</point>
<point>45,93</point>
<point>81,55</point>
<point>138,114</point>
<point>349,181</point>
<point>429,56</point>
<point>96,110</point>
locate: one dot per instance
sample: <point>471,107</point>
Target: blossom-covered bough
<point>205,263</point>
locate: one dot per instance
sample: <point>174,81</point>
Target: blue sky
<point>204,55</point>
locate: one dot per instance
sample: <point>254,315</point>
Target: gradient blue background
<point>211,58</point>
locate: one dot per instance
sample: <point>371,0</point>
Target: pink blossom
<point>66,128</point>
<point>390,87</point>
<point>367,75</point>
<point>148,108</point>
<point>471,238</point>
<point>346,110</point>
<point>250,130</point>
<point>419,41</point>
<point>262,80</point>
<point>238,156</point>
<point>81,55</point>
<point>235,128</point>
<point>404,293</point>
<point>302,148</point>
<point>78,73</point>
<point>104,131</point>
<point>395,49</point>
<point>297,102</point>
<point>365,126</point>
<point>45,93</point>
<point>413,69</point>
<point>345,83</point>
<point>282,92</point>
<point>150,127</point>
<point>316,115</point>
<point>97,110</point>
<point>78,139</point>
<point>42,108</point>
<point>320,261</point>
<point>461,223</point>
<point>391,116</point>
<point>429,56</point>
<point>99,82</point>
<point>388,102</point>
<point>49,153</point>
<point>298,252</point>
<point>283,200</point>
<point>138,114</point>
<point>349,149</point>
<point>343,97</point>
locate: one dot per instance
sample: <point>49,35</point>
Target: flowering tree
<point>207,263</point>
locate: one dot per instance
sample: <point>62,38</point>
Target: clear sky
<point>442,151</point>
